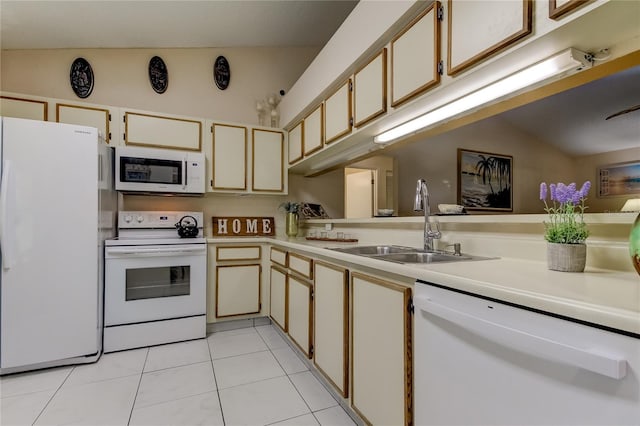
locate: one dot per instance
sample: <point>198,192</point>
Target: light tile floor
<point>247,376</point>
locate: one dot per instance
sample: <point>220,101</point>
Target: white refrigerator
<point>57,206</point>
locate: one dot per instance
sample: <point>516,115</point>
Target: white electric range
<point>155,280</point>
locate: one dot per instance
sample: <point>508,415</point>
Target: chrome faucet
<point>422,204</point>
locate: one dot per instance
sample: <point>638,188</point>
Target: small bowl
<point>450,208</point>
<point>385,212</point>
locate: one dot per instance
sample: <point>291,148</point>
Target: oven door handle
<point>142,251</point>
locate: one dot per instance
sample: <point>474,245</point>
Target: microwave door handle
<point>185,174</point>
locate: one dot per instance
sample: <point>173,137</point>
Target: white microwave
<point>159,170</point>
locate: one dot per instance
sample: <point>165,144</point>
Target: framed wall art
<point>158,75</point>
<point>619,179</point>
<point>81,78</point>
<point>485,180</point>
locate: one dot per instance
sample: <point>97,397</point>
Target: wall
<point>588,170</point>
<point>121,78</point>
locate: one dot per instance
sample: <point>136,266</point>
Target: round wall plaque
<point>81,77</point>
<point>158,75</point>
<point>221,72</point>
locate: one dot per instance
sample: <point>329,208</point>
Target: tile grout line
<point>53,395</point>
<point>215,381</point>
<point>138,387</point>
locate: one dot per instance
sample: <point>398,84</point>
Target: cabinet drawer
<point>279,256</point>
<point>238,253</point>
<point>301,265</point>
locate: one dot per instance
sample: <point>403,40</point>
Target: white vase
<point>566,257</point>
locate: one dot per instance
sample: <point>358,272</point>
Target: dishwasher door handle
<point>607,365</point>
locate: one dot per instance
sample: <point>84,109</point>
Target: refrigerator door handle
<point>528,342</point>
<point>7,232</point>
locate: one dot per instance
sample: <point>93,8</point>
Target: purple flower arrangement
<point>566,212</point>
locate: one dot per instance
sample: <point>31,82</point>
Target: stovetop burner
<point>145,228</point>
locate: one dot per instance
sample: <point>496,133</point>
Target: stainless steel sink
<point>428,257</point>
<point>375,250</point>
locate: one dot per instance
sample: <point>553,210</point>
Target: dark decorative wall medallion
<point>158,75</point>
<point>221,72</point>
<point>81,78</point>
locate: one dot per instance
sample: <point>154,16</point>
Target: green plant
<point>566,213</point>
<point>290,206</point>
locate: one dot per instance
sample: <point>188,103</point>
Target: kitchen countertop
<point>603,297</point>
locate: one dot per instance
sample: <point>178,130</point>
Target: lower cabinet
<point>381,363</point>
<point>300,313</point>
<point>331,324</point>
<point>237,281</point>
<point>278,297</point>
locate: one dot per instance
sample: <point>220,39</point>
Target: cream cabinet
<point>296,143</point>
<point>267,161</point>
<point>313,135</point>
<point>337,113</point>
<point>228,157</point>
<point>381,363</point>
<point>278,297</point>
<point>331,324</point>
<point>19,107</point>
<point>300,313</point>
<point>370,90</point>
<point>237,281</point>
<point>84,115</point>
<point>415,57</point>
<point>162,131</point>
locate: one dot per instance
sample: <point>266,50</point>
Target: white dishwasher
<point>482,362</point>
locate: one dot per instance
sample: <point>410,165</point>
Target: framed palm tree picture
<point>485,180</point>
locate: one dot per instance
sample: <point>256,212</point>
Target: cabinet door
<point>229,157</point>
<point>23,108</point>
<point>337,114</point>
<point>237,290</point>
<point>331,325</point>
<point>312,131</point>
<point>370,90</point>
<point>162,131</point>
<point>278,299</point>
<point>300,311</point>
<point>99,118</point>
<point>415,55</point>
<point>381,367</point>
<point>296,143</point>
<point>267,161</point>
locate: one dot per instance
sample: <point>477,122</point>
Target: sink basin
<point>427,257</point>
<point>375,250</point>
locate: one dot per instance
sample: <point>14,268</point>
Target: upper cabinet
<point>229,157</point>
<point>267,165</point>
<point>370,90</point>
<point>313,135</point>
<point>471,40</point>
<point>16,107</point>
<point>162,131</point>
<point>296,143</point>
<point>415,57</point>
<point>337,113</point>
<point>99,118</point>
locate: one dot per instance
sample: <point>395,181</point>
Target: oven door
<point>148,283</point>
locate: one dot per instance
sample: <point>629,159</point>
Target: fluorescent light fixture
<point>348,154</point>
<point>569,60</point>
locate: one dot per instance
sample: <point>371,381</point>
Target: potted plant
<point>565,231</point>
<point>291,220</point>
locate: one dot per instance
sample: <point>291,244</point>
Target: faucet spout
<point>421,203</point>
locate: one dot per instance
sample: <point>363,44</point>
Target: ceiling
<point>173,24</point>
<point>574,120</point>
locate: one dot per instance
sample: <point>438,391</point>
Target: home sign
<point>232,226</point>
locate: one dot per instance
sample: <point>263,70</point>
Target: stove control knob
<point>128,218</point>
<point>140,219</point>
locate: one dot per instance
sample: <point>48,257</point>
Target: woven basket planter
<point>566,257</point>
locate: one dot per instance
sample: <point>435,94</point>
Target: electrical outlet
<point>328,226</point>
